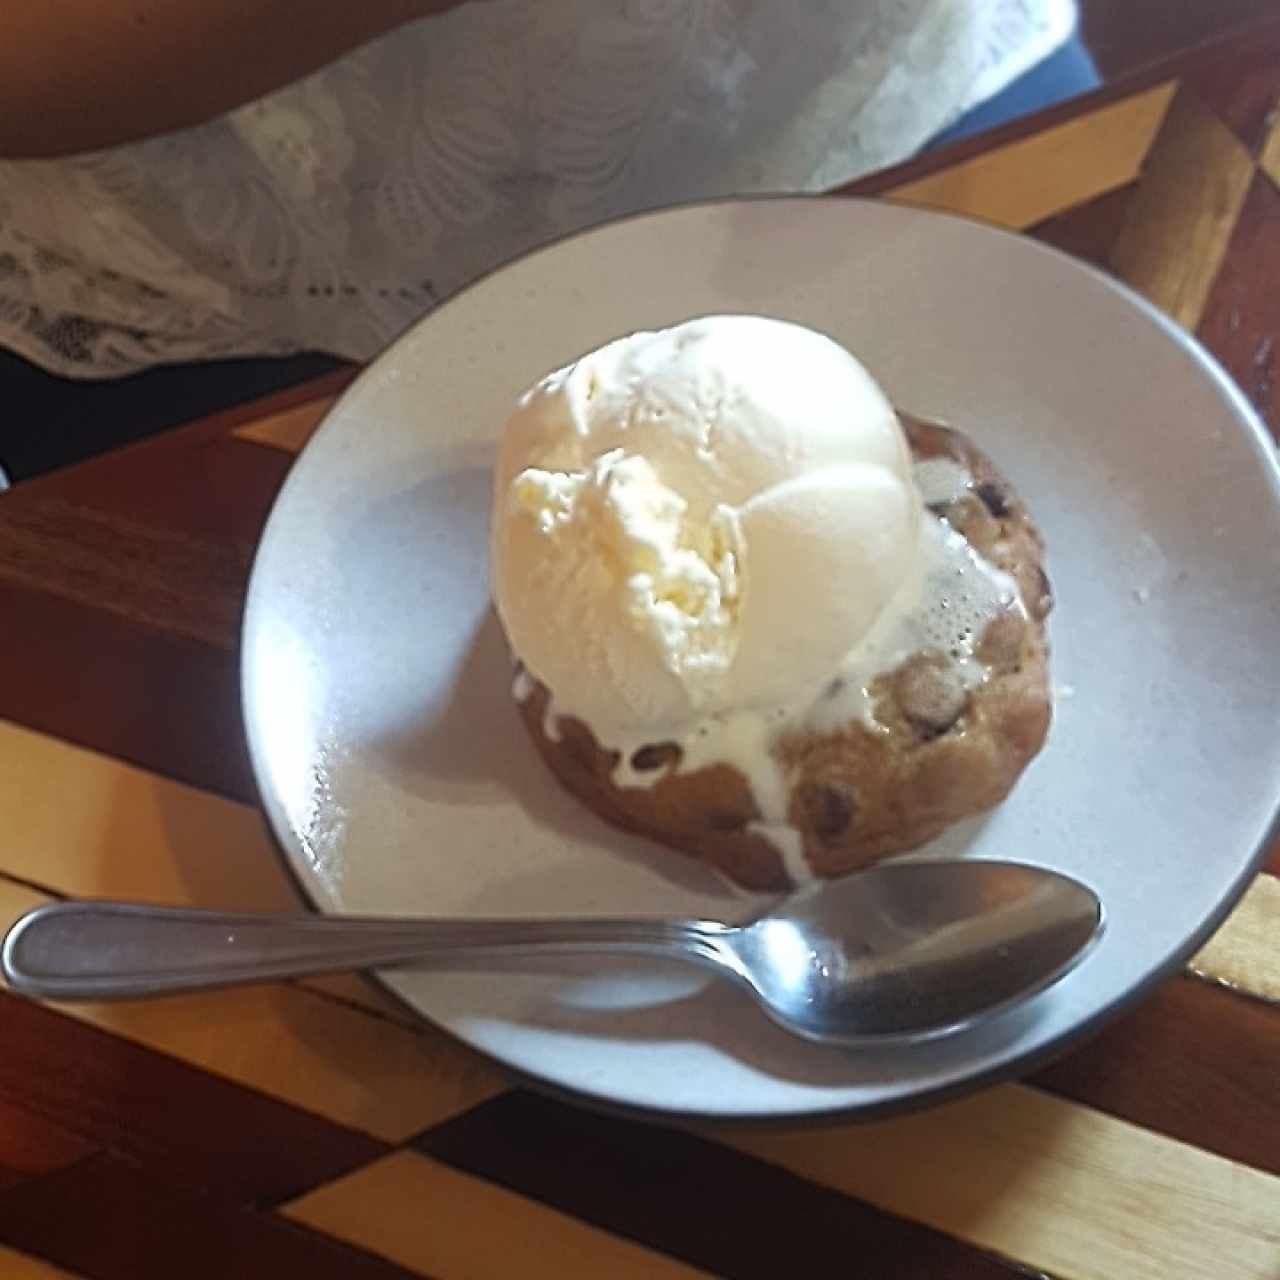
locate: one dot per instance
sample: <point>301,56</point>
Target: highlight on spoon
<point>937,947</point>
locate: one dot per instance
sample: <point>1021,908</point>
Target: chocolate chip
<point>993,498</point>
<point>969,516</point>
<point>725,820</point>
<point>654,756</point>
<point>930,693</point>
<point>1001,645</point>
<point>1046,593</point>
<point>826,808</point>
<point>577,744</point>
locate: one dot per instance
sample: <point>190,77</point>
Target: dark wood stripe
<point>1089,231</point>
<point>31,1144</point>
<point>166,702</point>
<point>134,1225</point>
<point>1137,32</point>
<point>1241,320</point>
<point>691,1198</point>
<point>186,1126</point>
<point>154,576</point>
<point>122,584</point>
<point>1243,94</point>
<point>186,485</point>
<point>164,537</point>
<point>1194,1062</point>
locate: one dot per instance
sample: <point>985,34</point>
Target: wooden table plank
<point>1126,36</point>
<point>1243,95</point>
<point>1090,230</point>
<point>437,1221</point>
<point>287,431</point>
<point>130,1224</point>
<point>117,1095</point>
<point>30,1142</point>
<point>22,1266</point>
<point>1192,1062</point>
<point>1247,956</point>
<point>1062,1188</point>
<point>1176,234</point>
<point>163,701</point>
<point>1241,321</point>
<point>688,1195</point>
<point>1072,163</point>
<point>1011,1172</point>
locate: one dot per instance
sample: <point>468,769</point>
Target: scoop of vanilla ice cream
<point>699,520</point>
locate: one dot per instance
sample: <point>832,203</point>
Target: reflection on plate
<point>397,775</point>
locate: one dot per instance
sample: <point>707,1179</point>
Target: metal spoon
<point>902,949</point>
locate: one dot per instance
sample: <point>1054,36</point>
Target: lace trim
<point>330,215</point>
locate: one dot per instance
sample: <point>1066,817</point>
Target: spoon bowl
<point>905,949</point>
<point>914,949</point>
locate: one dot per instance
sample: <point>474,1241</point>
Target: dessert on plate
<point>755,614</point>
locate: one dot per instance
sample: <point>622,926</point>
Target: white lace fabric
<point>332,213</point>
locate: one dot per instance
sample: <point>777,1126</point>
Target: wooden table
<point>315,1129</point>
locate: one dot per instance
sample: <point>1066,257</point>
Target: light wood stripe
<point>84,825</point>
<point>448,1225</point>
<point>1177,232</point>
<point>21,1266</point>
<point>1245,953</point>
<point>1057,1186</point>
<point>15,899</point>
<point>288,430</point>
<point>89,826</point>
<point>1269,160</point>
<point>1029,180</point>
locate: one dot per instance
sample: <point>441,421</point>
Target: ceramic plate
<point>398,779</point>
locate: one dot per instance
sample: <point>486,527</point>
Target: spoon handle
<point>115,950</point>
